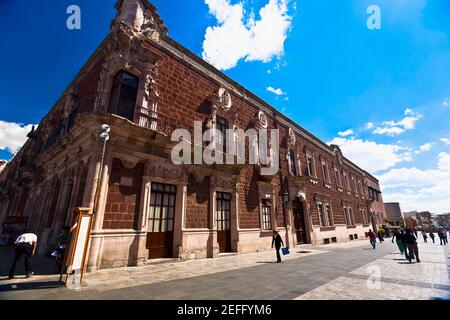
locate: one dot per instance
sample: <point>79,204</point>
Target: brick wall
<point>124,197</point>
<point>197,203</point>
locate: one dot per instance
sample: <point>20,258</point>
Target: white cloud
<point>372,156</point>
<point>278,91</point>
<point>393,128</point>
<point>389,131</point>
<point>445,103</point>
<point>369,125</point>
<point>241,36</point>
<point>425,148</point>
<point>346,133</point>
<point>13,135</point>
<point>446,141</point>
<point>444,162</point>
<point>417,189</point>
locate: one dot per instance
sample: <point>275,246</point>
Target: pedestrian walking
<point>398,239</point>
<point>444,235</point>
<point>413,249</point>
<point>26,247</point>
<point>372,238</point>
<point>278,242</point>
<point>425,237</point>
<point>432,236</point>
<point>441,237</point>
<point>380,234</point>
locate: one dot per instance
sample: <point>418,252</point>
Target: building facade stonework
<point>144,85</point>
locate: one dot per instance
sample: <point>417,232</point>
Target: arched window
<point>123,95</point>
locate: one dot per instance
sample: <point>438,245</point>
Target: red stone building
<point>144,85</point>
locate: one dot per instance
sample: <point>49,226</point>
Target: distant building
<point>377,210</point>
<point>424,218</point>
<point>394,214</point>
<point>443,220</point>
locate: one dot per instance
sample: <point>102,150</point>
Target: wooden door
<point>223,221</point>
<point>161,221</point>
<point>299,221</point>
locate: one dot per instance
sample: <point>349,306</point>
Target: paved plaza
<point>339,271</point>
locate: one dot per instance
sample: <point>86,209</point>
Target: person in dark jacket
<point>425,237</point>
<point>411,242</point>
<point>405,245</point>
<point>372,238</point>
<point>432,236</point>
<point>441,236</point>
<point>278,242</point>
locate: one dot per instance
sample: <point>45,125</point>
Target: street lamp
<point>104,137</point>
<point>285,196</point>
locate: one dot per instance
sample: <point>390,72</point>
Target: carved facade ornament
<point>337,153</point>
<point>223,182</point>
<point>261,121</point>
<point>197,173</point>
<point>167,172</point>
<point>221,100</point>
<point>140,16</point>
<point>302,195</point>
<point>149,27</point>
<point>129,162</point>
<point>292,139</point>
<point>150,89</point>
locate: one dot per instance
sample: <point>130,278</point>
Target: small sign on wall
<point>126,181</point>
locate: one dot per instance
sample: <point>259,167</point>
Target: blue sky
<point>387,91</point>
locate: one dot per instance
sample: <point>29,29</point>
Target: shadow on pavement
<point>30,286</point>
<point>40,264</point>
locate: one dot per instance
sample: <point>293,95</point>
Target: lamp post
<point>104,137</point>
<point>285,198</point>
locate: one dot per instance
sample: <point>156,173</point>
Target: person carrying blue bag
<point>278,243</point>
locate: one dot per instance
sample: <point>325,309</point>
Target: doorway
<point>299,221</point>
<point>223,221</point>
<point>161,221</point>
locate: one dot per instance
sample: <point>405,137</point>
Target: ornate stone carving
<point>337,153</point>
<point>149,27</point>
<point>150,83</point>
<point>222,99</point>
<point>292,139</point>
<point>167,172</point>
<point>302,195</point>
<point>261,121</point>
<point>129,162</point>
<point>223,182</point>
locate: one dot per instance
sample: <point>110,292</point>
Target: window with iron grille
<point>326,175</point>
<point>222,126</point>
<point>223,211</point>
<point>266,214</point>
<point>338,177</point>
<point>162,207</point>
<point>329,213</point>
<point>348,212</point>
<point>293,162</point>
<point>310,164</point>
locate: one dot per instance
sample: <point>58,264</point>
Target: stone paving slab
<point>392,278</point>
<point>253,276</point>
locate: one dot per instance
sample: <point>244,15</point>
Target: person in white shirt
<point>25,246</point>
